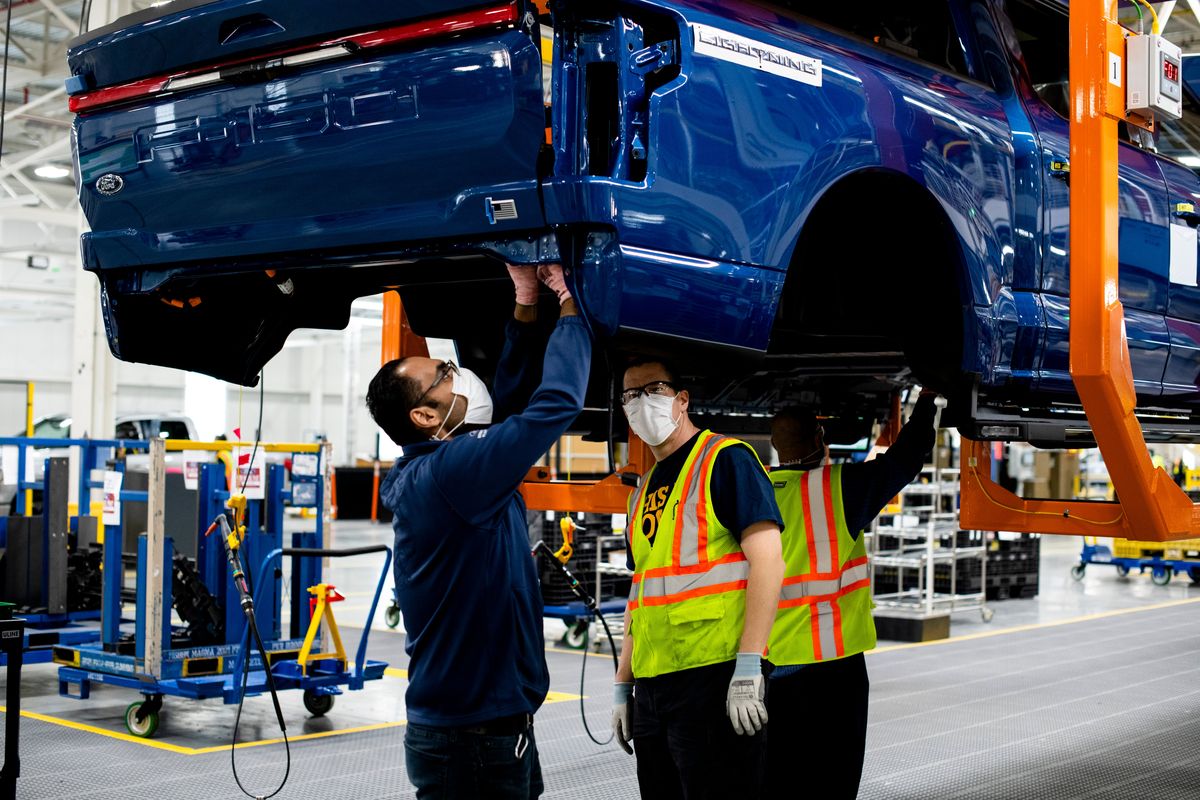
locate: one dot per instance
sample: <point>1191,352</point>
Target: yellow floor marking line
<point>195,751</point>
<point>393,672</point>
<point>1038,625</point>
<point>124,737</point>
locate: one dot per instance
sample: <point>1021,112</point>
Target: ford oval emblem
<point>109,184</point>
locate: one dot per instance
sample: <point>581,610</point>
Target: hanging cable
<point>262,390</point>
<point>4,77</point>
<point>244,583</point>
<point>1153,16</point>
<point>84,14</point>
<point>612,379</point>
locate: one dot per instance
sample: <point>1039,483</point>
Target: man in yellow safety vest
<point>704,541</point>
<point>819,686</point>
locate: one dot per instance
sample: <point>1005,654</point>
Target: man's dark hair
<point>389,399</point>
<point>673,376</point>
<point>801,419</point>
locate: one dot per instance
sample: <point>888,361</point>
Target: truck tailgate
<point>271,127</point>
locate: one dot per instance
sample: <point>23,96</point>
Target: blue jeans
<point>448,764</point>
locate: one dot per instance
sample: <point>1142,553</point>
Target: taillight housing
<point>268,64</point>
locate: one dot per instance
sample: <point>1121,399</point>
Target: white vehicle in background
<point>58,426</point>
<point>144,427</point>
<point>155,426</point>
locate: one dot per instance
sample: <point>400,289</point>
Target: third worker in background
<point>819,687</point>
<point>704,538</point>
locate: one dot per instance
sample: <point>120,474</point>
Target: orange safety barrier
<point>375,493</point>
<point>1151,507</point>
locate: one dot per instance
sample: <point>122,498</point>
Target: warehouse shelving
<point>919,556</point>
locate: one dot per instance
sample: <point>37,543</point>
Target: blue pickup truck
<point>818,201</point>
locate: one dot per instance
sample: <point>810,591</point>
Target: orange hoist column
<point>399,341</point>
<point>1151,507</point>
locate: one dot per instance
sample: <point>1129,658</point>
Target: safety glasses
<point>652,389</point>
<point>445,369</point>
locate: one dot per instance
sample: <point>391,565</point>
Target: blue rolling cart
<point>154,666</point>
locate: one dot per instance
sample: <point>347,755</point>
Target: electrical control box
<point>1154,76</point>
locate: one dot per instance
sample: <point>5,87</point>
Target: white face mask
<point>467,385</point>
<point>651,419</point>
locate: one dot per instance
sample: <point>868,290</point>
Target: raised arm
<point>500,456</point>
<point>867,487</point>
<point>519,369</point>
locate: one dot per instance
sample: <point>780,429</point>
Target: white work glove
<point>744,702</point>
<point>552,276</point>
<point>525,282</point>
<point>622,704</point>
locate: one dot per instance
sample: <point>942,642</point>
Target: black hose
<point>278,713</point>
<point>593,608</point>
<point>243,583</point>
<point>583,672</point>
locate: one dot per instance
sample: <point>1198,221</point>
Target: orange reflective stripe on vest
<point>670,585</point>
<point>824,607</point>
<point>801,589</point>
<point>687,599</point>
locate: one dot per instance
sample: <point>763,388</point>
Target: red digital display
<point>1171,71</point>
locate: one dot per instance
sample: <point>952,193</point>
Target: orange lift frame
<point>1151,506</point>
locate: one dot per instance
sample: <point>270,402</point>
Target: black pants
<point>819,716</point>
<point>451,764</point>
<point>685,744</point>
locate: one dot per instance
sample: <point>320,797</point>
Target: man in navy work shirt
<point>465,581</point>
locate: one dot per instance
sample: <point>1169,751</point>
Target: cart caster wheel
<point>987,614</point>
<point>1161,578</point>
<point>391,617</point>
<point>576,636</point>
<point>148,725</point>
<point>317,704</point>
<point>1123,570</point>
<point>1077,571</point>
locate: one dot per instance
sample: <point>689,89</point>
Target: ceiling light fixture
<point>51,172</point>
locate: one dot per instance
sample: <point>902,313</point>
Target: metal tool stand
<point>153,665</point>
<point>12,637</point>
<point>933,550</point>
<point>36,563</point>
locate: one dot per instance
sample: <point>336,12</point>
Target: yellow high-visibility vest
<point>688,599</point>
<point>825,604</point>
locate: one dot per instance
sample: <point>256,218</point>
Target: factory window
<point>924,31</point>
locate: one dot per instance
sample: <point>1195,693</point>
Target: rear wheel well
<point>877,259</point>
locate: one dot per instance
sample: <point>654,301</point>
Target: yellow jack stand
<point>324,595</point>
